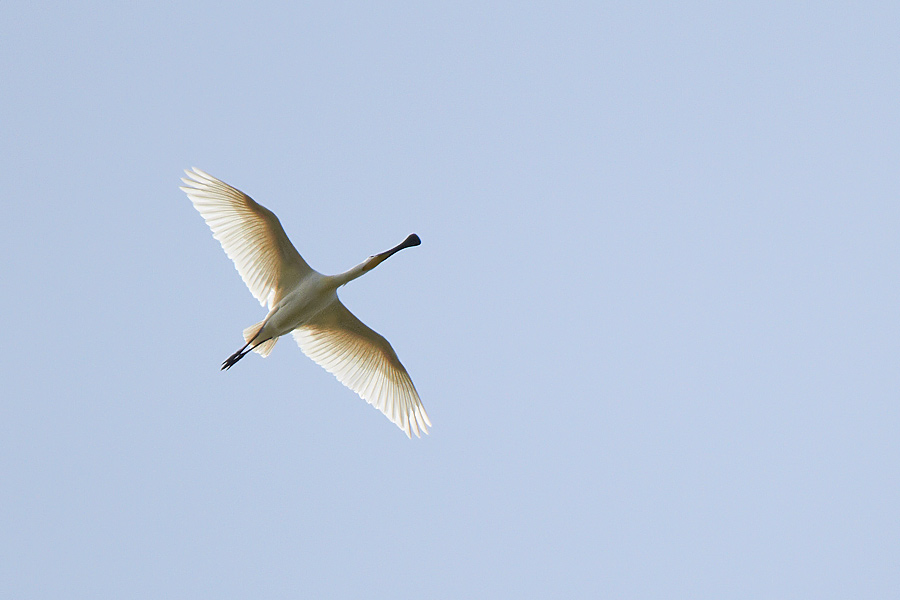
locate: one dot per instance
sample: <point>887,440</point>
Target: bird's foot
<point>229,362</point>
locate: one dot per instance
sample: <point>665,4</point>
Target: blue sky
<point>654,316</point>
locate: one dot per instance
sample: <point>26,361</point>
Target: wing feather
<point>250,234</point>
<point>366,363</point>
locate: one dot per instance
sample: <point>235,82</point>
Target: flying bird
<point>304,303</point>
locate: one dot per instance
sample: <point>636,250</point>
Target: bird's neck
<point>358,271</point>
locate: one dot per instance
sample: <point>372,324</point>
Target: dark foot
<point>229,362</point>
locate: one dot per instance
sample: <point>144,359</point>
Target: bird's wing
<point>250,234</point>
<point>365,362</point>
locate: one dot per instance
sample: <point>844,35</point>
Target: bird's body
<point>304,302</point>
<point>310,297</point>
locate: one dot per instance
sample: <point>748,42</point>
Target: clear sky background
<point>654,315</point>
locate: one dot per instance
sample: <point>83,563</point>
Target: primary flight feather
<point>303,302</point>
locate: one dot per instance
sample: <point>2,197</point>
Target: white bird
<point>304,302</point>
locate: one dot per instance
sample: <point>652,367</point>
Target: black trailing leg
<point>231,360</point>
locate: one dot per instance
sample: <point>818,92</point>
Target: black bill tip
<point>411,240</point>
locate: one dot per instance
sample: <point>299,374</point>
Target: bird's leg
<point>229,362</point>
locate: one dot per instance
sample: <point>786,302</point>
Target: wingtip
<point>416,426</point>
<point>198,175</point>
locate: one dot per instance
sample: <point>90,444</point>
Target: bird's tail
<point>263,349</point>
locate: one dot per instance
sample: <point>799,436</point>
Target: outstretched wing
<point>250,234</point>
<point>365,362</point>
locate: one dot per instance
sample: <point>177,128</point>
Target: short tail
<point>263,349</point>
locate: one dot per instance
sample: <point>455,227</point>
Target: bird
<point>303,302</point>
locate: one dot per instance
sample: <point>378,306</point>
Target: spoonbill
<point>303,302</point>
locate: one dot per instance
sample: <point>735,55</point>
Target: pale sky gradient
<point>654,315</point>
